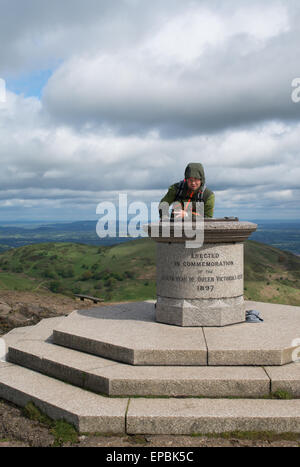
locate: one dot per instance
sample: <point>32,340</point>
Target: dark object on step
<point>252,316</point>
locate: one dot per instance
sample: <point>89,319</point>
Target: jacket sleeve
<point>209,206</point>
<point>168,198</point>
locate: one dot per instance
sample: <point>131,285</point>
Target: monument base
<point>200,312</point>
<point>115,369</point>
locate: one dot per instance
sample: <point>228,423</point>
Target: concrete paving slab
<point>86,411</point>
<point>10,338</point>
<point>183,381</point>
<point>264,343</point>
<point>4,365</point>
<point>65,364</point>
<point>130,334</point>
<point>189,416</point>
<point>40,331</point>
<point>285,378</point>
<point>113,378</point>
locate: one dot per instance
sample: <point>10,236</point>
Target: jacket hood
<point>195,170</point>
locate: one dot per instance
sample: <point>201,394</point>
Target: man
<point>185,194</point>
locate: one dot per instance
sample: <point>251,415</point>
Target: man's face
<point>193,183</point>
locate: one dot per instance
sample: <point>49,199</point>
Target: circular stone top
<point>215,230</point>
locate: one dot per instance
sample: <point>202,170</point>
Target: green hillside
<point>127,271</point>
<point>271,275</point>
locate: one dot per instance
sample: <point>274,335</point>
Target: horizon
<point>70,221</point>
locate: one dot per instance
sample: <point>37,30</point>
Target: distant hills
<point>284,235</point>
<point>127,271</point>
<point>14,236</point>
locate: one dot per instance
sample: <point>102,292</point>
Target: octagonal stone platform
<point>195,398</point>
<point>33,348</point>
<point>129,333</point>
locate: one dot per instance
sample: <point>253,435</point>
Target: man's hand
<point>180,214</point>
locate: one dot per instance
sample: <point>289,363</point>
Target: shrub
<point>65,272</point>
<point>129,274</point>
<point>117,276</point>
<point>110,283</point>
<point>55,286</point>
<point>86,276</point>
<point>48,273</point>
<point>97,275</point>
<point>18,268</point>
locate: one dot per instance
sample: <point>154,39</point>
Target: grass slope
<point>127,271</point>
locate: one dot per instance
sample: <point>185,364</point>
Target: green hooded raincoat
<point>195,170</point>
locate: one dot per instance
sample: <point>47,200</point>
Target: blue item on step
<point>252,316</point>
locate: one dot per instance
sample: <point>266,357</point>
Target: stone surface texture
<point>213,271</point>
<point>285,378</point>
<point>215,230</point>
<point>200,276</point>
<point>85,410</point>
<point>205,312</point>
<point>265,343</point>
<point>179,416</point>
<point>129,333</point>
<point>113,378</point>
<point>41,371</point>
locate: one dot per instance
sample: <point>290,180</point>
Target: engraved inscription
<point>207,263</point>
<point>204,273</point>
<point>230,278</point>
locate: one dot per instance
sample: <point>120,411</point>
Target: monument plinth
<point>201,285</point>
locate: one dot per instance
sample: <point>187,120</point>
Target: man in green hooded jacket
<point>188,192</point>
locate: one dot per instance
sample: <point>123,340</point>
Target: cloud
<point>200,72</point>
<point>57,166</point>
<point>138,91</point>
<point>37,35</point>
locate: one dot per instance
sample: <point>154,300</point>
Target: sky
<point>108,97</point>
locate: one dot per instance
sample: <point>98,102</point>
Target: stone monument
<point>201,286</point>
<point>136,369</point>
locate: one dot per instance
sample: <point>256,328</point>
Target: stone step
<point>112,378</point>
<point>191,416</point>
<point>36,351</point>
<point>88,412</point>
<point>129,333</point>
